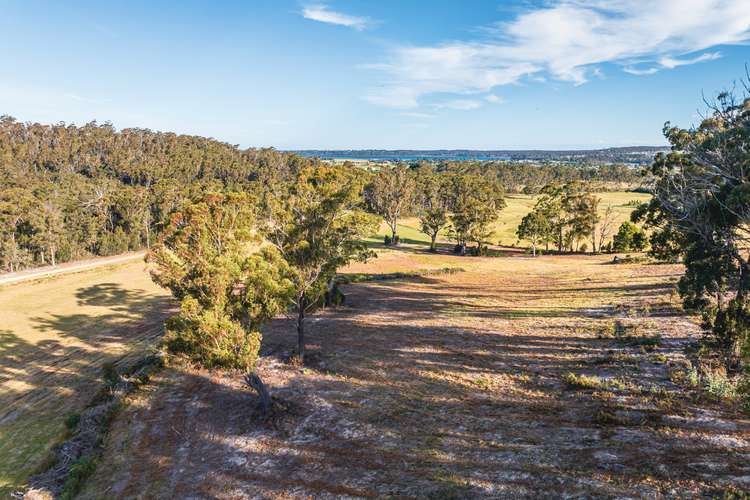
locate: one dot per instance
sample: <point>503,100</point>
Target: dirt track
<point>68,267</point>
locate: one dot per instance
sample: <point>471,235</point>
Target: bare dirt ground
<point>448,386</point>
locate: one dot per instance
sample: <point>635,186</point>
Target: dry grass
<point>54,337</point>
<point>518,205</point>
<point>447,386</point>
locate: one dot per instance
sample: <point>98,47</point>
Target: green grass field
<point>518,205</point>
<point>55,335</point>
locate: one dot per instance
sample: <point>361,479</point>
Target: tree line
<point>568,216</point>
<point>70,192</point>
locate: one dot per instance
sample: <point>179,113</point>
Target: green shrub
<point>629,237</point>
<point>110,375</point>
<point>79,472</point>
<point>210,337</point>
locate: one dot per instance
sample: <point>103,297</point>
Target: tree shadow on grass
<point>42,382</point>
<point>409,391</point>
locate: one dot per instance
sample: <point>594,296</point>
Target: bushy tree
<point>316,223</point>
<point>475,205</point>
<point>16,209</point>
<point>701,205</point>
<point>391,194</point>
<point>629,238</point>
<point>434,201</point>
<point>535,228</point>
<point>228,283</point>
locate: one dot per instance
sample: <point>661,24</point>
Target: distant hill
<point>628,155</point>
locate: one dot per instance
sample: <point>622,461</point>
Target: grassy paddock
<point>518,205</point>
<point>55,335</point>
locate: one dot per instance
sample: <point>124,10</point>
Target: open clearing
<point>446,386</point>
<point>449,386</point>
<point>519,205</point>
<point>54,336</point>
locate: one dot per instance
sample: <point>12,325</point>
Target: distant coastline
<point>628,155</point>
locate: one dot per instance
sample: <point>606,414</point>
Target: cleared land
<point>518,205</point>
<point>444,385</point>
<point>450,386</point>
<point>54,336</point>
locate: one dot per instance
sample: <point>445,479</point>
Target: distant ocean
<point>630,155</point>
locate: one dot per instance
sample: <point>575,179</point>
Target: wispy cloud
<point>565,40</point>
<point>322,13</point>
<point>671,63</point>
<point>493,99</point>
<point>416,114</point>
<point>640,72</point>
<point>460,104</point>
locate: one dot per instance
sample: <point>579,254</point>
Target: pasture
<point>518,205</point>
<point>502,376</point>
<point>55,335</point>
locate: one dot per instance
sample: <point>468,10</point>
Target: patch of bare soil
<point>449,387</point>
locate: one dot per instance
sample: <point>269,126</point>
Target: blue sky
<point>375,74</point>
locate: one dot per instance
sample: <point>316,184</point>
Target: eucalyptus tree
<point>227,281</point>
<point>476,202</point>
<point>434,200</point>
<point>391,194</point>
<point>701,206</point>
<point>316,223</point>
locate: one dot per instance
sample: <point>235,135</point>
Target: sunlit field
<point>54,337</point>
<point>57,333</point>
<point>518,205</point>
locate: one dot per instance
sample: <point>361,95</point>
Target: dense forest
<point>69,192</point>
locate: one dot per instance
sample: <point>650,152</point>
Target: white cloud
<point>321,12</point>
<point>565,40</point>
<point>670,63</point>
<point>493,99</point>
<point>640,72</point>
<point>460,104</point>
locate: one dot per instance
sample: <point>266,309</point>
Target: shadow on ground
<point>416,390</point>
<point>41,383</point>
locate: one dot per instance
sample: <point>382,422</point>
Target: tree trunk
<point>593,240</point>
<point>301,330</point>
<point>433,247</point>
<point>533,249</point>
<point>264,398</point>
<point>52,255</point>
<point>393,232</point>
